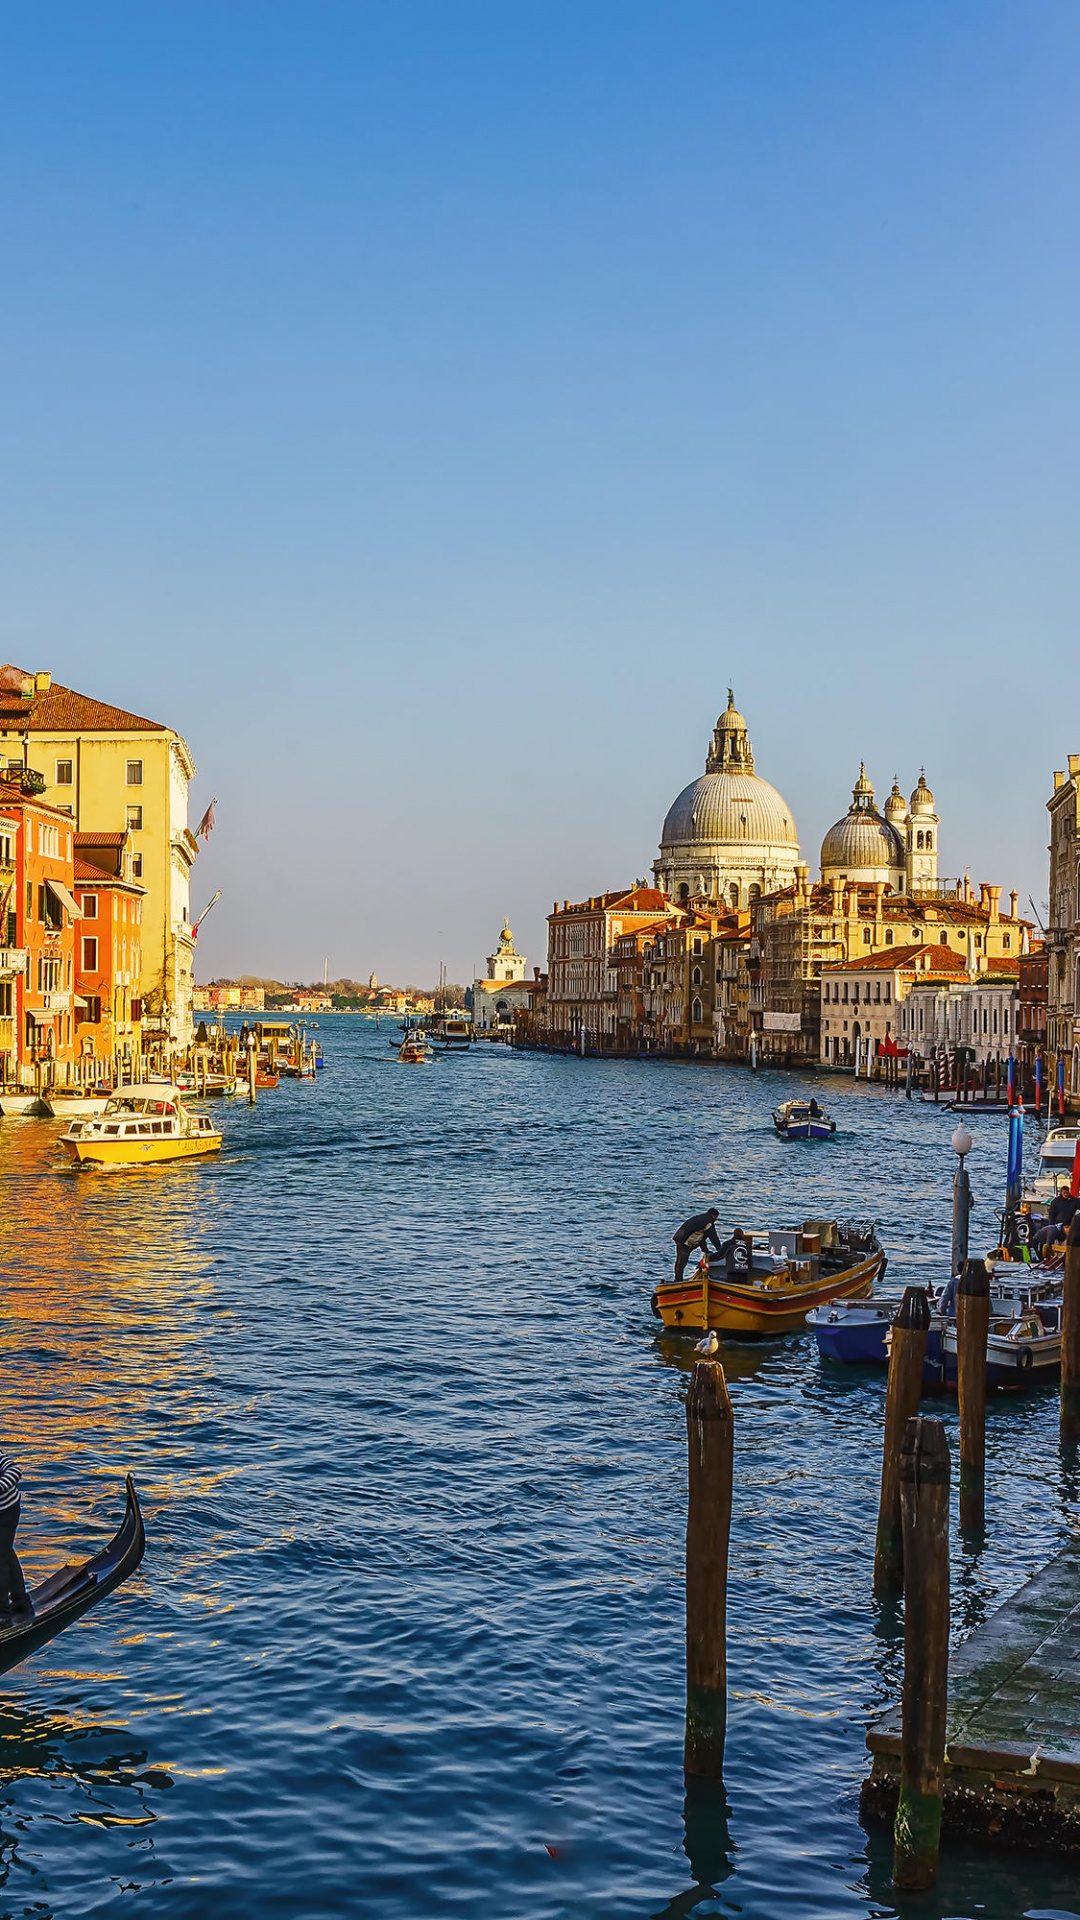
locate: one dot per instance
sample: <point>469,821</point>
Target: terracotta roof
<point>96,877</point>
<point>909,959</point>
<point>61,710</point>
<point>1002,964</point>
<point>99,840</point>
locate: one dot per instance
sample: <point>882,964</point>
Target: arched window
<point>919,841</point>
<point>695,1013</point>
<point>733,893</point>
<point>929,842</point>
<point>754,894</point>
<point>684,891</point>
<point>696,977</point>
<point>867,936</point>
<point>888,936</point>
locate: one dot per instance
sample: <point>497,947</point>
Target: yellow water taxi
<point>141,1126</point>
<point>791,1271</point>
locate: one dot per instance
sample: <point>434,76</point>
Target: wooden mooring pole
<point>972,1327</point>
<point>251,1075</point>
<point>1070,1339</point>
<point>924,1490</point>
<point>907,1352</point>
<point>710,1449</point>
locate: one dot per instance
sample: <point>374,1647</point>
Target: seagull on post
<point>710,1345</point>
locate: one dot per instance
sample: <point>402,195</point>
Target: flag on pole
<point>206,825</point>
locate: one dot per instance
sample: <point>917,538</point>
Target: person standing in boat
<point>697,1232</point>
<point>1059,1219</point>
<point>15,1603</point>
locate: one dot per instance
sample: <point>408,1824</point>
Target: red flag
<point>206,825</point>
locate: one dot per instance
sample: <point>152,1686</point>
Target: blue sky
<point>430,408</point>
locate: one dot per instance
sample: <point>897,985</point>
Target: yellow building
<point>114,771</point>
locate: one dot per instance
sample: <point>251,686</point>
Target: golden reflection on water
<point>104,1284</point>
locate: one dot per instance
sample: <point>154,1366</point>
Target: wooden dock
<point>1012,1775</point>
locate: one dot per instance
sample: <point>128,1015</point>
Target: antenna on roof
<point>1038,917</point>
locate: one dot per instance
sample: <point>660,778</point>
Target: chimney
<point>835,884</point>
<point>993,897</point>
<point>42,682</point>
<point>1074,764</point>
<point>879,895</point>
<point>983,892</point>
<point>851,900</point>
<point>1059,779</point>
<point>1013,899</point>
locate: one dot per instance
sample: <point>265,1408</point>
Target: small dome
<point>731,720</point>
<point>896,805</point>
<point>862,842</point>
<point>506,938</point>
<point>922,800</point>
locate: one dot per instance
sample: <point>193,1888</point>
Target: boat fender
<point>1026,1358</point>
<point>655,1305</point>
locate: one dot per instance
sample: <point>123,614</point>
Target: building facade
<point>38,998</point>
<point>583,988</point>
<point>1063,932</point>
<point>111,771</point>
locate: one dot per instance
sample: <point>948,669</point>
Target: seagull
<point>708,1346</point>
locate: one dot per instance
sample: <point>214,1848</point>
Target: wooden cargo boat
<point>791,1272</point>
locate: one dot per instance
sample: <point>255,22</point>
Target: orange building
<point>108,954</point>
<point>37,1004</point>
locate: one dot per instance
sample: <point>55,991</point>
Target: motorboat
<point>791,1271</point>
<point>451,1032</point>
<point>854,1331</point>
<point>142,1125</point>
<point>20,1100</point>
<point>61,1599</point>
<point>74,1103</point>
<point>1023,1349</point>
<point>803,1120</point>
<point>413,1051</point>
<point>1057,1154</point>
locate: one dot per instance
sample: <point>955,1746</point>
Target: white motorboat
<point>142,1125</point>
<point>1022,1349</point>
<point>1057,1155</point>
<point>20,1100</point>
<point>73,1103</point>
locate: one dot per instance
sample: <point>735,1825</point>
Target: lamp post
<point>962,1144</point>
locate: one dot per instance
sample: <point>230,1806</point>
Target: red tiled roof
<point>1001,963</point>
<point>99,840</point>
<point>911,959</point>
<point>88,876</point>
<point>61,710</point>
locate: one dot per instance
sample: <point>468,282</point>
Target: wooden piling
<point>907,1351</point>
<point>251,1075</point>
<point>972,1327</point>
<point>1070,1339</point>
<point>710,1449</point>
<point>924,1488</point>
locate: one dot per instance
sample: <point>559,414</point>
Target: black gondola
<point>64,1596</point>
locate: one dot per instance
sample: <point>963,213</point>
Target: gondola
<point>64,1596</point>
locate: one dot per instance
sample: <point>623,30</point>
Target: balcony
<point>12,960</point>
<point>27,779</point>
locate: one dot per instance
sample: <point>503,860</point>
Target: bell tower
<point>922,840</point>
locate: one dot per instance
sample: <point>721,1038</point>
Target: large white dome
<point>729,836</point>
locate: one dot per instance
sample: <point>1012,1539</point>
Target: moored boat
<point>1057,1154</point>
<point>21,1101</point>
<point>66,1595</point>
<point>74,1103</point>
<point>1022,1350</point>
<point>854,1331</point>
<point>791,1272</point>
<point>142,1125</point>
<point>803,1120</point>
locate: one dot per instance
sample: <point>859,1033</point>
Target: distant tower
<point>507,963</point>
<point>922,839</point>
<point>373,982</point>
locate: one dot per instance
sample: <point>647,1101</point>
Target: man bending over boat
<point>15,1603</point>
<point>701,1232</point>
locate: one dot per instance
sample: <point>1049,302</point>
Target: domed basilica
<point>729,836</point>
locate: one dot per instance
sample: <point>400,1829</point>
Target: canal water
<point>407,1640</point>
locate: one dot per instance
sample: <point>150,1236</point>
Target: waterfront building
<point>37,904</point>
<point>582,982</point>
<point>108,957</point>
<point>1063,932</point>
<point>1033,977</point>
<point>494,999</point>
<point>110,770</point>
<point>729,837</point>
<point>680,996</point>
<point>862,999</point>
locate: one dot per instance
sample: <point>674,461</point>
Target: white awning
<point>59,892</point>
<point>80,1002</point>
<point>39,1019</point>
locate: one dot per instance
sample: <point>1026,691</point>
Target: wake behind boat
<point>61,1599</point>
<point>790,1272</point>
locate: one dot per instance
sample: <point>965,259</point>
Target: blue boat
<point>803,1120</point>
<point>854,1331</point>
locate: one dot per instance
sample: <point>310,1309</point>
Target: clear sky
<point>429,408</point>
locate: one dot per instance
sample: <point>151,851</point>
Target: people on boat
<point>699,1232</point>
<point>15,1602</point>
<point>738,1255</point>
<point>815,1110</point>
<point>1059,1218</point>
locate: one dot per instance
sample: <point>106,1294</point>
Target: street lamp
<point>962,1144</point>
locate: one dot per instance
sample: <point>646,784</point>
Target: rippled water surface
<point>407,1640</point>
